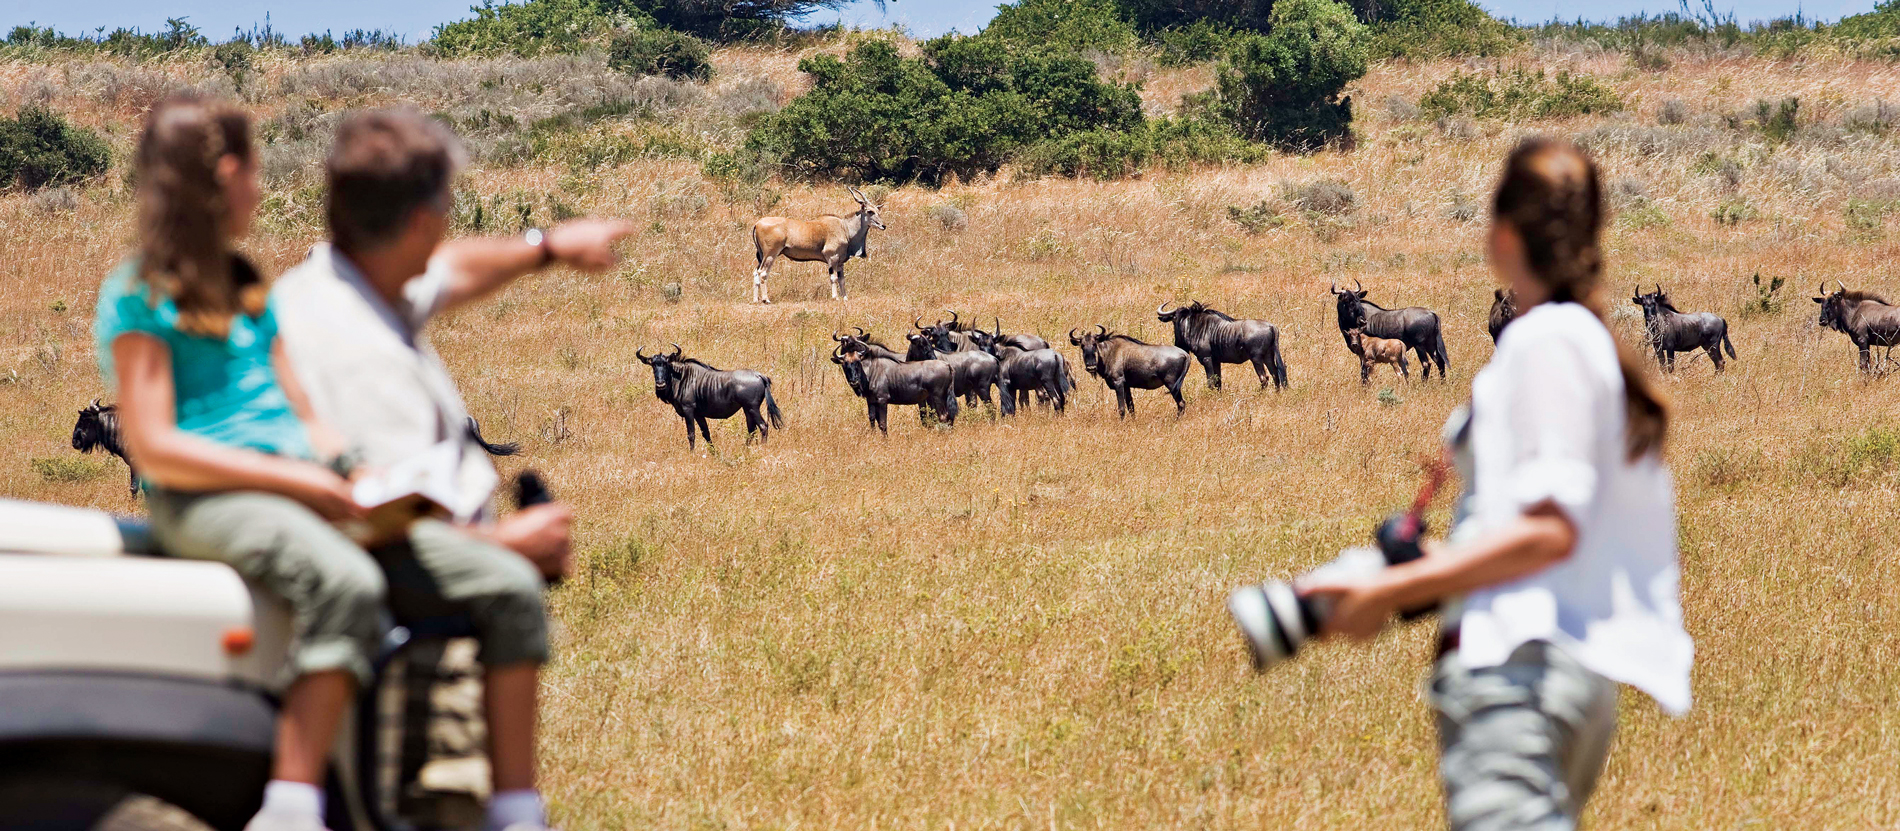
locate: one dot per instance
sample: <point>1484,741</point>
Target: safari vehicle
<point>136,691</point>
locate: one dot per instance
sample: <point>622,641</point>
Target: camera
<point>1276,621</point>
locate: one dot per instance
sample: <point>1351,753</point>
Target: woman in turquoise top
<point>221,434</point>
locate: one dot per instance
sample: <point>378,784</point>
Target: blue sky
<point>415,18</point>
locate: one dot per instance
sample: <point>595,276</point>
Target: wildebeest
<point>972,371</point>
<point>1417,327</point>
<point>698,392</point>
<point>947,337</point>
<point>1865,318</point>
<point>863,342</point>
<point>882,382</point>
<point>491,448</point>
<point>1023,371</point>
<point>830,239</point>
<point>98,429</point>
<point>1023,342</point>
<point>1372,351</point>
<point>1125,364</point>
<point>1669,331</point>
<point>1503,311</point>
<point>1214,338</point>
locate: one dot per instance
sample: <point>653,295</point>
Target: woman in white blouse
<point>1561,578</point>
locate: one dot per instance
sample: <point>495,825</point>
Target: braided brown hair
<point>1552,196</point>
<point>185,252</point>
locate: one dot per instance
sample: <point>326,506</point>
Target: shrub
<point>1883,23</point>
<point>1257,218</point>
<point>1869,216</point>
<point>1330,197</point>
<point>964,108</point>
<point>528,28</point>
<point>1732,212</point>
<point>1778,122</point>
<point>1153,16</point>
<point>1672,112</point>
<point>1520,95</point>
<point>57,200</point>
<point>1198,42</point>
<point>676,55</point>
<point>1075,25</point>
<point>1426,29</point>
<point>951,217</point>
<point>39,148</point>
<point>1111,153</point>
<point>721,20</point>
<point>1284,87</point>
<point>68,469</point>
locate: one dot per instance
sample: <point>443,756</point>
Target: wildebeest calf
<point>1372,351</point>
<point>1418,327</point>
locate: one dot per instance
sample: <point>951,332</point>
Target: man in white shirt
<point>351,317</point>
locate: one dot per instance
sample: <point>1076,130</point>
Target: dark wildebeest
<point>972,371</point>
<point>881,383</point>
<point>1373,351</point>
<point>829,239</point>
<point>1124,364</point>
<point>98,429</point>
<point>946,337</point>
<point>698,392</point>
<point>1503,311</point>
<point>1027,343</point>
<point>508,448</point>
<point>1417,327</point>
<point>862,342</point>
<point>1865,318</point>
<point>1670,331</point>
<point>1022,371</point>
<point>1214,338</point>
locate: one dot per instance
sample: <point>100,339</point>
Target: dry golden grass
<point>1019,624</point>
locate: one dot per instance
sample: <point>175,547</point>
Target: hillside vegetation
<point>1019,624</point>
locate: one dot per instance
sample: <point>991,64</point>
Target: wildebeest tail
<point>771,407</point>
<point>1730,345</point>
<point>1279,365</point>
<point>493,449</point>
<point>1438,351</point>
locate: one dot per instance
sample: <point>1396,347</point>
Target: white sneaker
<point>284,821</point>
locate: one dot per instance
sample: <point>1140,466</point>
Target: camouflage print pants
<point>1521,744</point>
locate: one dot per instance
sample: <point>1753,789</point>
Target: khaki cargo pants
<point>1522,743</point>
<point>338,592</point>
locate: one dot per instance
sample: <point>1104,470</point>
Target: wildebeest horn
<point>676,349</point>
<point>861,333</point>
<point>1843,284</point>
<point>837,337</point>
<point>999,327</point>
<point>914,324</point>
<point>641,353</point>
<point>1636,291</point>
<point>1332,286</point>
<point>1358,286</point>
<point>1073,337</point>
<point>837,354</point>
<point>1162,309</point>
<point>98,404</point>
<point>953,317</point>
<point>1103,328</point>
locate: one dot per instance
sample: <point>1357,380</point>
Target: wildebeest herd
<point>945,361</point>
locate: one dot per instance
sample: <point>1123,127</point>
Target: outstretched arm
<point>480,266</point>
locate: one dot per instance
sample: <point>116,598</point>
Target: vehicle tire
<point>72,804</point>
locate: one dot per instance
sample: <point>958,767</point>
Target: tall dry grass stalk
<point>1018,624</point>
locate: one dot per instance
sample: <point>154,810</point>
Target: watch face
<point>534,236</point>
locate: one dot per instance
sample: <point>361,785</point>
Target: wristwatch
<point>539,239</point>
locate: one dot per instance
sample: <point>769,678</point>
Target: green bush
<point>964,108</point>
<point>1284,88</point>
<point>1426,29</point>
<point>1883,23</point>
<point>661,52</point>
<point>39,148</point>
<point>1174,143</point>
<point>1156,15</point>
<point>532,27</point>
<point>721,20</point>
<point>1257,218</point>
<point>68,469</point>
<point>1077,25</point>
<point>1519,95</point>
<point>1195,43</point>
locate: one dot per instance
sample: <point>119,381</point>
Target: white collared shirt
<point>370,373</point>
<point>1548,425</point>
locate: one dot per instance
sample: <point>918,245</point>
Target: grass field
<point>1019,624</point>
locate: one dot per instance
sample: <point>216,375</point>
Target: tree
<point>1285,87</point>
<point>724,20</point>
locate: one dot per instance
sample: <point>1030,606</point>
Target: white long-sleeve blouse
<point>1548,425</point>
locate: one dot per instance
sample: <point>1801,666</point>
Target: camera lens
<point>1272,619</point>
